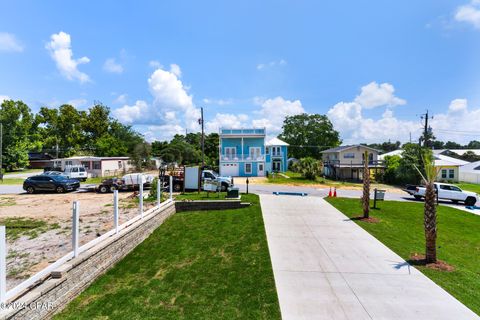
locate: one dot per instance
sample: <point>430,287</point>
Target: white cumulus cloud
<point>112,66</point>
<point>77,103</point>
<point>375,95</point>
<point>61,52</point>
<point>218,102</point>
<point>3,98</point>
<point>135,114</point>
<point>163,132</point>
<point>155,64</point>
<point>9,43</point>
<point>354,127</point>
<point>226,120</point>
<point>175,69</point>
<point>458,105</point>
<point>273,112</point>
<point>121,99</point>
<point>171,105</point>
<point>458,123</point>
<point>469,13</point>
<point>170,94</point>
<point>271,64</point>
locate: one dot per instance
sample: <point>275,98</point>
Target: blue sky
<point>372,66</point>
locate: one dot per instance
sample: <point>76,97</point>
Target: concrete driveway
<point>327,267</point>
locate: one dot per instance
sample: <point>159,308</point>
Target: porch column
<point>241,151</point>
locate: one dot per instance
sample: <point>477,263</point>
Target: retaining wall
<point>52,294</point>
<point>69,280</point>
<point>209,205</point>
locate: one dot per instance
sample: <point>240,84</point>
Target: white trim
<point>245,168</point>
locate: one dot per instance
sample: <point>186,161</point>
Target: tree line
<point>187,149</point>
<point>63,132</point>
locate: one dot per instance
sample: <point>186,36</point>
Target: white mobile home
<point>97,166</point>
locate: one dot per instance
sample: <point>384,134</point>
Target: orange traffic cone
<point>335,192</point>
<point>330,193</point>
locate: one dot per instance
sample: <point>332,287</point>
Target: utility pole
<point>426,129</point>
<point>200,121</point>
<point>1,151</point>
<point>203,140</point>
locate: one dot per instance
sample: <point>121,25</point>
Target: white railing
<point>242,157</point>
<point>76,250</point>
<point>277,154</point>
<point>251,131</point>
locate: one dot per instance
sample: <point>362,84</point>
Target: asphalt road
<point>270,188</point>
<point>347,193</point>
<point>16,189</point>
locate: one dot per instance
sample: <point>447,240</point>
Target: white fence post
<point>171,187</point>
<point>159,192</point>
<point>140,189</point>
<point>75,227</point>
<point>3,265</point>
<point>115,210</point>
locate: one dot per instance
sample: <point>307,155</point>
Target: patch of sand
<point>27,256</point>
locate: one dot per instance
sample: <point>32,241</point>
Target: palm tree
<point>366,187</point>
<point>430,209</point>
<point>309,168</point>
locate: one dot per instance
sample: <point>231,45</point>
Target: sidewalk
<point>327,267</point>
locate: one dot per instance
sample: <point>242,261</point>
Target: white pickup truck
<point>449,192</point>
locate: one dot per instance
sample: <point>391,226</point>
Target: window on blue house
<point>248,168</point>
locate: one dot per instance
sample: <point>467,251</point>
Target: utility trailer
<point>128,182</point>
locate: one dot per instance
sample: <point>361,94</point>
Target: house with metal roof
<point>470,172</point>
<point>347,162</point>
<point>448,167</point>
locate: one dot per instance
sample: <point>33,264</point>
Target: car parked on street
<point>53,173</point>
<point>54,183</point>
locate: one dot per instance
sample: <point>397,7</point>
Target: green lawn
<point>201,196</point>
<point>13,181</point>
<point>6,174</point>
<point>197,265</point>
<point>17,227</point>
<point>469,186</point>
<point>297,179</point>
<point>401,229</point>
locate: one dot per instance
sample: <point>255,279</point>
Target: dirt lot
<point>39,226</point>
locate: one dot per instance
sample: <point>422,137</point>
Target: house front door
<point>261,169</point>
<point>276,166</point>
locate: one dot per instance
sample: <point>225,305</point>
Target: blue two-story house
<point>244,153</point>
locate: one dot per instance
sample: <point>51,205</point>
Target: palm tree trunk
<point>430,223</point>
<point>366,187</point>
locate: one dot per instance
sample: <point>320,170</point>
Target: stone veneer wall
<point>77,274</point>
<point>209,205</point>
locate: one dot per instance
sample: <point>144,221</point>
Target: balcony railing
<point>276,154</point>
<point>346,163</point>
<point>243,131</point>
<point>242,157</point>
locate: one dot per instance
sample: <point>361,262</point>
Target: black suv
<point>58,184</point>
